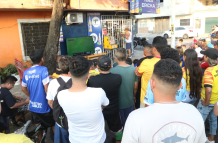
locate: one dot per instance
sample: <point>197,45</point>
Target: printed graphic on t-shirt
<point>175,132</point>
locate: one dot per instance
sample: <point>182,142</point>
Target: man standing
<point>167,120</point>
<point>128,38</point>
<point>145,70</point>
<point>61,135</point>
<point>209,92</point>
<point>35,84</point>
<point>83,105</point>
<point>128,88</point>
<point>110,83</point>
<point>215,44</point>
<point>8,101</point>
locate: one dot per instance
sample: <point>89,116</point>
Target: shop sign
<point>145,6</point>
<point>94,30</point>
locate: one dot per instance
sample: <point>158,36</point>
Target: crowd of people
<point>148,100</point>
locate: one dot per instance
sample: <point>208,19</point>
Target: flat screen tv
<point>80,46</point>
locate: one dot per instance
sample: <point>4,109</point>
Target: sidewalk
<point>160,34</point>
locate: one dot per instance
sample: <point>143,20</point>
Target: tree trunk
<point>51,48</point>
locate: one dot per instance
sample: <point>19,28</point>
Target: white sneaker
<point>209,141</point>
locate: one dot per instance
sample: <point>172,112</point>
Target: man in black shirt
<point>110,83</point>
<point>9,105</point>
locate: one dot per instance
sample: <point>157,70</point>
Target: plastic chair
<point>20,68</point>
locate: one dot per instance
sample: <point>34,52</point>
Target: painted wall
<point>99,5</point>
<point>25,4</point>
<point>10,45</point>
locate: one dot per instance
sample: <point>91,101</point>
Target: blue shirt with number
<point>180,95</point>
<point>34,79</point>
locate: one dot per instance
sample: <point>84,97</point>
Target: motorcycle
<point>140,41</point>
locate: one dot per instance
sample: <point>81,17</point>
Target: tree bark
<point>51,48</point>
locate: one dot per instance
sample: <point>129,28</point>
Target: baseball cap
<point>211,53</point>
<point>104,62</point>
<point>210,45</point>
<point>214,42</point>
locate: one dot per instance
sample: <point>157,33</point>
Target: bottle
<point>99,39</point>
<point>90,25</point>
<point>137,6</point>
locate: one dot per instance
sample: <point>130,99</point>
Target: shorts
<point>128,45</point>
<point>115,124</point>
<point>46,119</point>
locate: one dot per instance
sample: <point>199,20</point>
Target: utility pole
<point>173,39</point>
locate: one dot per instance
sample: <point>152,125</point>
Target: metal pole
<point>173,24</point>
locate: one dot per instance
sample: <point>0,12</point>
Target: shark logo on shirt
<point>174,139</point>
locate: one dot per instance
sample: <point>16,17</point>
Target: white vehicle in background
<point>180,32</point>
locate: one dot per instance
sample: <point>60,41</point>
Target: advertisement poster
<point>147,6</point>
<point>61,39</point>
<point>136,6</point>
<point>132,6</point>
<point>157,6</point>
<point>94,30</point>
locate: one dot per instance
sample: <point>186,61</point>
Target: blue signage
<point>147,6</point>
<point>94,30</point>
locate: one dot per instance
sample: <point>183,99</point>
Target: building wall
<point>10,45</point>
<point>203,15</point>
<point>183,7</point>
<point>204,5</point>
<point>25,4</point>
<point>106,5</point>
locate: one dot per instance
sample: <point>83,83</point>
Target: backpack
<point>58,112</point>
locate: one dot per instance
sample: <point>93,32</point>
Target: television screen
<point>80,46</point>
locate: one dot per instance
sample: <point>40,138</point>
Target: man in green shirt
<point>128,88</point>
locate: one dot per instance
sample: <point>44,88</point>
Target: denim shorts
<point>128,45</point>
<point>208,111</point>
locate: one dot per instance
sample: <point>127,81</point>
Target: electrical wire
<point>8,26</point>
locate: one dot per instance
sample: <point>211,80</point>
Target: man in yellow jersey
<point>209,92</point>
<point>146,68</point>
<point>92,71</point>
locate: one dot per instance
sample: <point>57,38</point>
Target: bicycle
<point>33,134</point>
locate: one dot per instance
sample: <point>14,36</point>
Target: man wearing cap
<point>110,83</point>
<point>215,44</point>
<point>209,92</point>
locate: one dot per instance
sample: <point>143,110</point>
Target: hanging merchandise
<point>94,30</point>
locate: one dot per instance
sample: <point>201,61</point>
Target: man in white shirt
<point>61,135</point>
<point>198,50</point>
<point>167,120</point>
<point>83,105</point>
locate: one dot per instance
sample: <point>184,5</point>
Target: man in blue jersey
<point>173,54</point>
<point>35,84</point>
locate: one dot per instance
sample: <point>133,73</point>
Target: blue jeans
<point>61,135</point>
<point>124,113</point>
<point>205,111</point>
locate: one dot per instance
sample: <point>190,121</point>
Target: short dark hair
<point>9,79</point>
<point>170,53</point>
<point>168,71</point>
<point>180,50</point>
<point>135,61</point>
<point>36,56</point>
<point>159,43</point>
<point>148,48</point>
<point>181,40</point>
<point>95,62</point>
<point>79,66</point>
<point>91,63</point>
<point>128,61</point>
<point>63,64</point>
<point>120,54</point>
